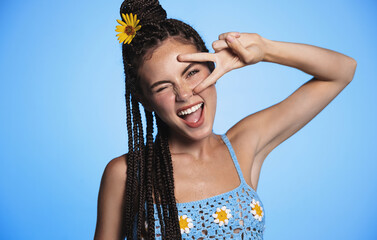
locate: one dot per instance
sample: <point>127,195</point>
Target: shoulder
<point>114,177</point>
<point>110,199</point>
<point>116,169</point>
<point>244,136</point>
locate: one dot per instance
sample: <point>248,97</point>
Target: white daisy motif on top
<point>256,210</point>
<point>222,216</point>
<point>185,223</point>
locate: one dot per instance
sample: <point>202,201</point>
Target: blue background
<point>63,114</point>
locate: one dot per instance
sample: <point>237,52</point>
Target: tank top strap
<point>234,157</point>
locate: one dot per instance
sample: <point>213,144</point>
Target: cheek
<point>211,92</point>
<point>164,102</point>
<point>211,95</point>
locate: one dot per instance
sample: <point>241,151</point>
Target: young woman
<point>188,182</point>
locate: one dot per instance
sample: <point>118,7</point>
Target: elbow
<point>353,65</point>
<point>349,69</point>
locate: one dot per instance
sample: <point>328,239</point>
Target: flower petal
<point>126,39</point>
<point>120,29</point>
<point>129,39</point>
<point>121,22</point>
<point>128,19</point>
<point>123,37</point>
<point>131,17</point>
<point>135,18</point>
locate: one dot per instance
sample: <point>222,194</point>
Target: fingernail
<point>230,38</point>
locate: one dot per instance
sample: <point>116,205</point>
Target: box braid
<point>149,165</point>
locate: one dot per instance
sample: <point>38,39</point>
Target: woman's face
<point>167,86</point>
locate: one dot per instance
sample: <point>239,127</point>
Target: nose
<point>183,92</point>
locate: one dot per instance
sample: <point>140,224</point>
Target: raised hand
<point>233,50</point>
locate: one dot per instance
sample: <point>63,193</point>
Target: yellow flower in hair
<point>127,29</point>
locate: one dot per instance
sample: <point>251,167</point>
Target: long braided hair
<point>149,164</point>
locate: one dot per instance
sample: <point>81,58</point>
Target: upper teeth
<point>190,110</point>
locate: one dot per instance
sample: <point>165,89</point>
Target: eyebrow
<point>188,67</point>
<point>167,81</point>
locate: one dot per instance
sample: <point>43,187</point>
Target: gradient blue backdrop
<point>63,114</point>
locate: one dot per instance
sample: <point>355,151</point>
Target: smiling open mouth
<point>192,116</point>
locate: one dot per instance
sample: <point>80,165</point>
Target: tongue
<point>193,117</point>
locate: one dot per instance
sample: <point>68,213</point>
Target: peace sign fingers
<point>203,57</point>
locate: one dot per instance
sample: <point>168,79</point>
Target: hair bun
<point>148,11</point>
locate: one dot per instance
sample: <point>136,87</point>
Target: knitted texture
<point>237,214</point>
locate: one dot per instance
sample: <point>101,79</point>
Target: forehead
<point>163,61</point>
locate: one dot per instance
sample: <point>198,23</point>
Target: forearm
<point>323,64</point>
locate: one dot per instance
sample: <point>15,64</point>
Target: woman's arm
<point>110,198</point>
<point>258,134</point>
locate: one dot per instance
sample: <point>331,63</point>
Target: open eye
<point>192,73</point>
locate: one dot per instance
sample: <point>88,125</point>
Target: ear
<point>140,98</point>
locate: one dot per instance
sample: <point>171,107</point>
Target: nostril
<point>184,94</point>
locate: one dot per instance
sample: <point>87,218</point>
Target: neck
<point>198,149</point>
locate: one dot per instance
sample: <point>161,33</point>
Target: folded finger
<point>219,45</point>
<point>224,35</point>
<point>237,48</point>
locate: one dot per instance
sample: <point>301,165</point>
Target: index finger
<point>196,57</point>
<point>210,80</point>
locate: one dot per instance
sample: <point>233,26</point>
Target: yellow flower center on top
<point>258,210</point>
<point>222,215</point>
<point>129,30</point>
<point>183,223</point>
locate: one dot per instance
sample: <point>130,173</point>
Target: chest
<point>237,214</point>
<point>196,180</point>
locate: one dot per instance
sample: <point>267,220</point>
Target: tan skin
<point>199,156</point>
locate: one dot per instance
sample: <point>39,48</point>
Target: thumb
<point>237,47</point>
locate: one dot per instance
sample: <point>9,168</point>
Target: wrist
<point>269,50</point>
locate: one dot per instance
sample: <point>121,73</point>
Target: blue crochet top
<point>237,214</point>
